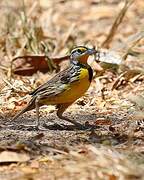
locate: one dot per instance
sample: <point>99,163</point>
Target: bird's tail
<point>30,106</point>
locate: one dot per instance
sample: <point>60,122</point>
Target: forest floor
<point>113,145</point>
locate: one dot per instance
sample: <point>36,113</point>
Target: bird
<point>64,88</point>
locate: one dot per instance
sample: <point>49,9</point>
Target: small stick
<point>116,24</point>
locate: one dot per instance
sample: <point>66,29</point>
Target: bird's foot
<point>85,126</point>
<point>79,126</point>
<point>56,126</point>
<point>68,127</point>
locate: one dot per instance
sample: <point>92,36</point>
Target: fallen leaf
<point>137,99</point>
<point>108,57</point>
<point>13,157</point>
<point>28,65</point>
<point>102,121</point>
<point>35,164</point>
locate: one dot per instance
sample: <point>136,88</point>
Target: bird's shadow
<point>68,127</point>
<point>45,127</point>
<point>56,124</point>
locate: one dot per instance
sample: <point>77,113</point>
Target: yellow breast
<point>72,91</point>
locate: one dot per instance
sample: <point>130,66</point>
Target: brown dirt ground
<point>112,148</point>
<point>50,150</point>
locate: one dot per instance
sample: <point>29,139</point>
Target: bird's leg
<point>61,109</point>
<point>37,112</point>
<point>27,108</point>
<point>36,126</point>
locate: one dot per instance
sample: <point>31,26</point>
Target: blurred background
<point>39,33</point>
<point>61,24</point>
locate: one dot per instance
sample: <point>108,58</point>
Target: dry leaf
<point>28,65</point>
<point>13,157</point>
<point>103,121</point>
<point>137,99</point>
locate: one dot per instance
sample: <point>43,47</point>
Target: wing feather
<point>58,83</point>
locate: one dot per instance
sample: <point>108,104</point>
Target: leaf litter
<point>32,34</point>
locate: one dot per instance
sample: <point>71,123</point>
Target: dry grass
<point>51,28</point>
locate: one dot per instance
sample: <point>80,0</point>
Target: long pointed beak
<point>90,51</point>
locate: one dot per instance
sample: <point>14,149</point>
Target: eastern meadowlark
<point>64,88</point>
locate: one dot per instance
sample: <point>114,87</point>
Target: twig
<point>133,41</point>
<point>116,24</point>
<point>9,84</point>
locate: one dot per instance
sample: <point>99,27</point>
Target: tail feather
<point>30,106</point>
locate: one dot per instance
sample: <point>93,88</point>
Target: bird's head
<point>81,54</point>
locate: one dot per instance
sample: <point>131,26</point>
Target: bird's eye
<point>79,51</point>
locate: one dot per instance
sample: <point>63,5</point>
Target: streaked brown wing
<point>58,83</point>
